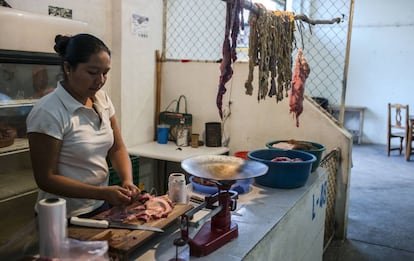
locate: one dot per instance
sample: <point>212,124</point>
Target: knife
<point>88,222</point>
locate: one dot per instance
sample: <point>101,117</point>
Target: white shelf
<point>16,184</point>
<point>17,103</point>
<point>19,145</point>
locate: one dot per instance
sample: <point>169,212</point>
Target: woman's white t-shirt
<point>86,138</point>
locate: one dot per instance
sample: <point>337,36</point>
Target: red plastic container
<point>241,154</point>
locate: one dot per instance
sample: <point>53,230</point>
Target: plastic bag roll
<point>52,226</point>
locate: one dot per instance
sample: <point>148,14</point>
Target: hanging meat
<point>300,74</point>
<point>233,22</point>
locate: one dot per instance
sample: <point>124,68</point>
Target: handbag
<point>176,119</point>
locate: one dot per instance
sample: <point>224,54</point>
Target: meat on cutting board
<point>145,208</point>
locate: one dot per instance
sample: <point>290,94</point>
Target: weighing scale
<point>224,171</point>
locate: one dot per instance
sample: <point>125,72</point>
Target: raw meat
<point>145,208</point>
<point>300,75</point>
<point>153,208</point>
<point>233,14</point>
<point>286,159</point>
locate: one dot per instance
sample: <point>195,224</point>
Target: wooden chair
<point>398,116</point>
<point>410,138</point>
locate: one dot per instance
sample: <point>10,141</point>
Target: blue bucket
<point>283,174</point>
<point>317,150</point>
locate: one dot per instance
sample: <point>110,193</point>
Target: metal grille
<point>331,163</point>
<point>324,47</point>
<point>194,31</point>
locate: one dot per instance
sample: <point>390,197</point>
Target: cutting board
<point>122,242</point>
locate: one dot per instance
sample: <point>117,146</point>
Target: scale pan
<point>222,167</point>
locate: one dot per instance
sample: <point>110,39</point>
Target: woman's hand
<point>132,188</point>
<point>117,196</point>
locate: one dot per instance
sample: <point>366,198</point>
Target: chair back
<point>398,116</point>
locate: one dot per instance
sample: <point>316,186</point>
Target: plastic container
<point>242,154</point>
<point>283,174</point>
<point>317,151</point>
<point>213,134</point>
<point>162,133</point>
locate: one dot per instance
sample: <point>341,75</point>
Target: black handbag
<point>176,119</point>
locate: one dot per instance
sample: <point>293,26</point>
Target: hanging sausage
<point>271,41</point>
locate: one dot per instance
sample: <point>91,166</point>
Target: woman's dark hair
<point>78,48</point>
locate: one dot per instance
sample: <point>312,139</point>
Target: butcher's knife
<point>88,222</point>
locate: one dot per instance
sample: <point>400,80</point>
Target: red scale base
<point>208,240</point>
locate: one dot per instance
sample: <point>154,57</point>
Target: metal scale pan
<point>223,168</point>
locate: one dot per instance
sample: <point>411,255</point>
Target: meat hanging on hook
<point>271,42</point>
<point>300,74</point>
<point>234,11</point>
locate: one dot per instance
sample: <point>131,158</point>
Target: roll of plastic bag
<point>52,227</point>
<point>74,249</point>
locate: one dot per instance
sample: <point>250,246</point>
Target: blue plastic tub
<point>241,186</point>
<point>283,174</point>
<point>317,150</point>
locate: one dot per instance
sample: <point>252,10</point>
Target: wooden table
<point>170,152</point>
<point>408,140</point>
<point>351,112</point>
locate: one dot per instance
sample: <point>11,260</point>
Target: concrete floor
<point>381,208</point>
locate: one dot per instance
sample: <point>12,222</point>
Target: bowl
<point>241,186</point>
<point>283,174</point>
<point>5,142</point>
<point>314,148</point>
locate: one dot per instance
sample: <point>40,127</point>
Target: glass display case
<point>24,78</point>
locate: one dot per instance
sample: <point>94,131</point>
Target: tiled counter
<point>274,224</point>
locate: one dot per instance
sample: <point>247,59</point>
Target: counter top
<point>272,223</point>
<point>171,152</point>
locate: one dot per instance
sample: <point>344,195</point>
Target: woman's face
<point>88,78</point>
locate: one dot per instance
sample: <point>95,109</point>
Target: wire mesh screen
<point>195,31</point>
<point>324,47</point>
<point>331,163</point>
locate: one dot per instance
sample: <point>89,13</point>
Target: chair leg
<point>388,147</point>
<point>407,153</point>
<point>401,145</point>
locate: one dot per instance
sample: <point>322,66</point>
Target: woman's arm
<point>120,160</point>
<point>44,153</point>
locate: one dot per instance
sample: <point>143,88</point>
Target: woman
<point>72,130</point>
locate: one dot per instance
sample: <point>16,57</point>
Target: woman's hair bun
<point>61,42</point>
